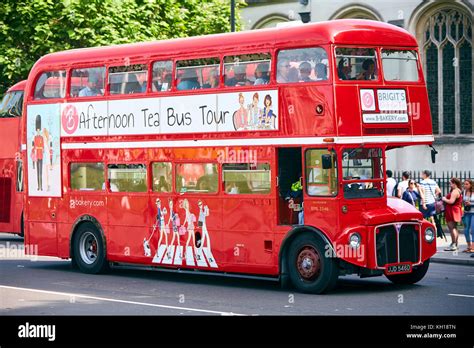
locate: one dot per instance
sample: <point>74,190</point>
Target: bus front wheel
<point>411,278</point>
<point>89,249</point>
<point>310,267</point>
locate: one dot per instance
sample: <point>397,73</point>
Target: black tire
<point>308,250</point>
<point>410,278</point>
<point>89,250</point>
<point>22,227</point>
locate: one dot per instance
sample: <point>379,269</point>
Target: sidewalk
<point>457,257</point>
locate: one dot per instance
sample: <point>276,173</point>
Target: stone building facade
<point>443,29</point>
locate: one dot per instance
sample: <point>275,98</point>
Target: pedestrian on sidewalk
<point>468,217</point>
<point>411,194</point>
<point>391,184</point>
<point>403,185</point>
<point>430,191</point>
<point>453,211</point>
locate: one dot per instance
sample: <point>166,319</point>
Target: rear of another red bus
<point>11,166</point>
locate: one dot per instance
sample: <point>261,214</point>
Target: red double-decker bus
<point>255,153</point>
<point>11,165</point>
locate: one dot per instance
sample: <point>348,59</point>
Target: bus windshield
<point>11,105</point>
<point>362,170</point>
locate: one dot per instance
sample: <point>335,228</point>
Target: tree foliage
<point>30,29</point>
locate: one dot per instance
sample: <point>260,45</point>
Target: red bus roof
<point>344,32</point>
<point>19,86</point>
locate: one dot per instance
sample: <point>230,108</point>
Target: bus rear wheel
<point>411,278</point>
<point>311,269</point>
<point>89,250</point>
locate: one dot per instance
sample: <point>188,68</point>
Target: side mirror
<point>326,161</point>
<point>433,155</point>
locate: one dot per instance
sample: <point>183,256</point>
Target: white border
<point>248,142</point>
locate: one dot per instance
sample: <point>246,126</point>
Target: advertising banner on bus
<point>44,165</point>
<point>226,112</point>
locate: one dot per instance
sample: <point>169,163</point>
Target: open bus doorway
<point>290,194</point>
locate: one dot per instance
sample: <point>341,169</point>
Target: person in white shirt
<point>403,185</point>
<point>391,183</point>
<point>430,191</point>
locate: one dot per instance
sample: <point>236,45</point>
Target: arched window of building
<point>357,12</point>
<point>447,51</point>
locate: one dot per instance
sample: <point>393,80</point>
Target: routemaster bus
<point>259,154</point>
<point>11,165</point>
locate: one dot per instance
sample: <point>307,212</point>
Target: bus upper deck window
<point>399,65</point>
<point>88,82</point>
<point>51,84</point>
<point>197,74</point>
<point>128,79</point>
<point>356,63</point>
<point>247,69</point>
<point>302,65</point>
<point>162,76</point>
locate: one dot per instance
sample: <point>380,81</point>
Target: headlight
<point>354,240</point>
<point>429,235</point>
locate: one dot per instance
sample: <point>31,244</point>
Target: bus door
<point>320,189</point>
<point>290,179</point>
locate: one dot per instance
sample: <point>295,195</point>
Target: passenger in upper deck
<point>189,80</point>
<point>213,79</point>
<point>91,89</point>
<point>321,72</point>
<point>240,77</point>
<point>304,72</point>
<point>261,74</point>
<point>283,71</point>
<point>369,70</point>
<point>344,69</point>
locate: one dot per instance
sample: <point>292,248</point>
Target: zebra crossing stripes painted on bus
<point>173,255</point>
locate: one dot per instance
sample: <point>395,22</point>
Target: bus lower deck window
<point>87,176</point>
<point>196,177</point>
<point>246,178</point>
<point>127,177</point>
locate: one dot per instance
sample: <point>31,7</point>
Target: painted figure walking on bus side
<point>38,148</point>
<point>174,220</point>
<point>203,213</point>
<point>160,223</point>
<point>189,221</point>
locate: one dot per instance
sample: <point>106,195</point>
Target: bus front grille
<point>397,243</point>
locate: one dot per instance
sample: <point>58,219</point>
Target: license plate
<point>398,268</point>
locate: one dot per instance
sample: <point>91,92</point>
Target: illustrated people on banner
<point>33,154</point>
<point>173,224</point>
<point>203,213</point>
<point>254,112</point>
<point>47,150</point>
<point>38,148</point>
<point>268,117</point>
<point>241,115</point>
